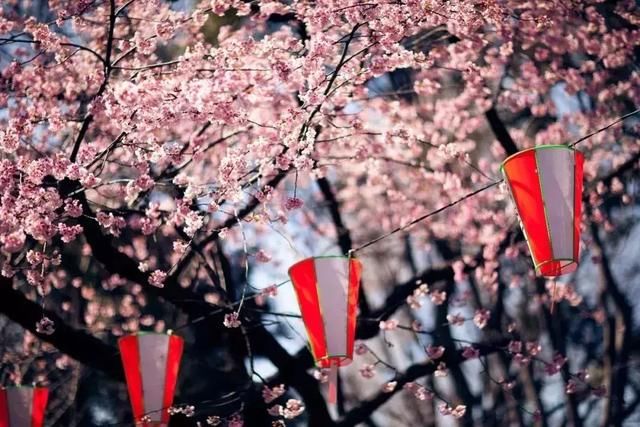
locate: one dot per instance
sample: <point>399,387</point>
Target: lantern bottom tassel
<point>333,383</point>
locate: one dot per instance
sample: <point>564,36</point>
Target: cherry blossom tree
<point>163,163</point>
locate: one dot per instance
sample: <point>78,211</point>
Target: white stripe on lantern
<point>20,401</point>
<point>332,275</point>
<point>556,170</point>
<point>153,368</point>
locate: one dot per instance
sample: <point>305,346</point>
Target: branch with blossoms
<point>430,278</point>
<point>438,364</point>
<point>407,291</point>
<point>360,413</point>
<point>130,128</point>
<point>167,287</point>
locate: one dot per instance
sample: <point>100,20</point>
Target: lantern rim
<point>536,148</point>
<point>570,266</point>
<point>342,359</point>
<point>322,257</point>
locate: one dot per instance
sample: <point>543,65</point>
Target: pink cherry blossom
<point>69,233</point>
<point>72,208</point>
<point>180,246</point>
<point>515,346</point>
<point>368,371</point>
<point>459,411</point>
<point>322,375</point>
<point>389,386</point>
<point>455,319</point>
<point>533,348</point>
<point>422,393</point>
<point>269,394</point>
<point>292,409</point>
<point>232,320</point>
<point>481,318</point>
<point>438,297</point>
<point>293,203</point>
<point>157,278</point>
<point>441,371</point>
<point>413,302</point>
<point>434,352</point>
<point>270,291</point>
<point>213,420</point>
<point>418,391</point>
<point>262,256</point>
<point>45,326</point>
<point>388,325</point>
<point>444,409</point>
<point>13,242</point>
<point>571,386</point>
<point>469,352</point>
<point>276,410</point>
<point>555,365</point>
<point>235,421</point>
<point>410,386</point>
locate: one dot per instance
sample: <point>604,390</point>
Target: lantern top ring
<point>10,387</point>
<point>141,333</point>
<point>322,257</point>
<point>536,148</point>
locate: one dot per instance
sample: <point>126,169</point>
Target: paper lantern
<point>327,291</point>
<point>23,406</point>
<point>546,185</point>
<point>151,363</point>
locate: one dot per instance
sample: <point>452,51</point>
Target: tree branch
<point>79,345</point>
<point>293,372</point>
<point>398,297</point>
<point>618,335</point>
<point>342,232</point>
<point>501,132</point>
<point>556,328</point>
<point>244,212</point>
<point>360,413</point>
<point>107,71</point>
<point>628,165</point>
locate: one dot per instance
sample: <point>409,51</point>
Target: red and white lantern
<point>327,291</point>
<point>151,363</point>
<point>546,185</point>
<point>23,406</point>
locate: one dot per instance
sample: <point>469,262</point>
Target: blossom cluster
<point>149,135</point>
